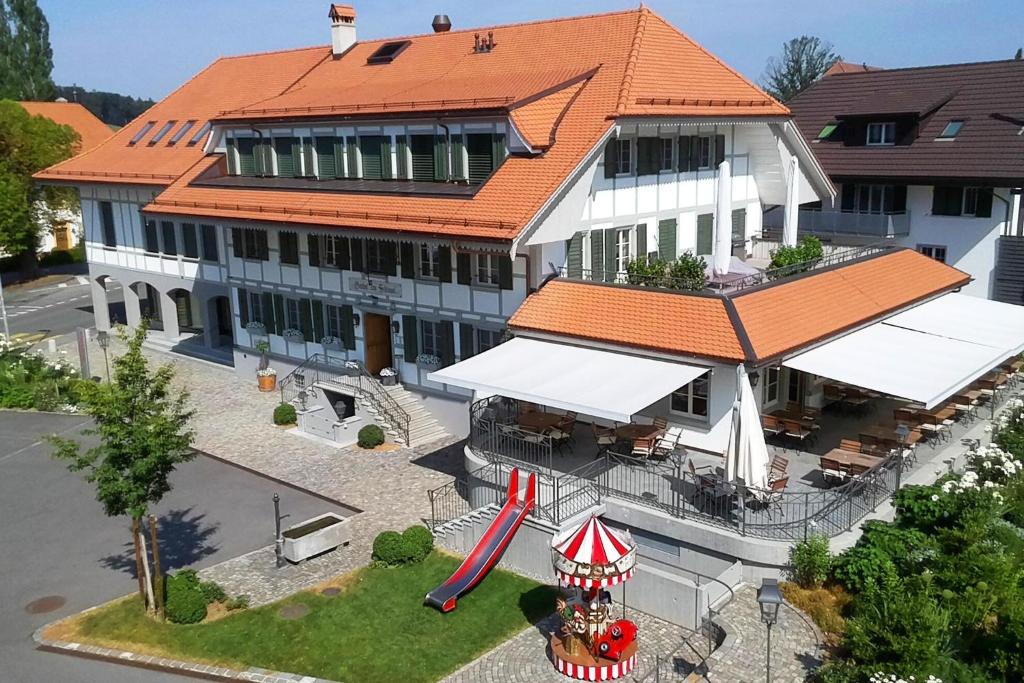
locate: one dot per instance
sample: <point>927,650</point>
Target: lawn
<point>376,630</point>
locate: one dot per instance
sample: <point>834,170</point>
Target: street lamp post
<point>103,338</point>
<point>278,541</point>
<point>3,313</point>
<point>769,598</point>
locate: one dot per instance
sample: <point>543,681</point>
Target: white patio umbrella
<point>790,227</point>
<point>747,457</point>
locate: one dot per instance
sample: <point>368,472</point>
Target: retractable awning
<point>925,354</point>
<point>605,384</point>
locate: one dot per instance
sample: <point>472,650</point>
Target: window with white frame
<point>334,324</point>
<point>255,307</point>
<point>692,399</point>
<point>486,270</point>
<point>332,250</point>
<point>935,251</point>
<point>668,147</point>
<point>291,308</point>
<point>430,261</point>
<point>624,157</point>
<point>705,157</point>
<point>430,338</point>
<point>882,133</point>
<point>970,207</point>
<point>487,339</point>
<point>772,378</point>
<point>376,259</point>
<point>622,252</point>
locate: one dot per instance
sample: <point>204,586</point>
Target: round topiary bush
<point>420,540</point>
<point>371,436</point>
<point>186,603</point>
<point>392,548</point>
<point>284,414</point>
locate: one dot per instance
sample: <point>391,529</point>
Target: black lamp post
<point>769,598</point>
<point>103,338</point>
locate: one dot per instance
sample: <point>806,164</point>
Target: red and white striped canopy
<point>593,555</point>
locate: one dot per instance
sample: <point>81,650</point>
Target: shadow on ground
<point>184,540</point>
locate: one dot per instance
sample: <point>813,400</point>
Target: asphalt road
<point>56,541</point>
<point>56,306</point>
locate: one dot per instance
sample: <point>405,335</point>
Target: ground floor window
<point>292,314</point>
<point>430,338</point>
<point>933,251</point>
<point>692,399</point>
<point>256,308</point>
<point>487,339</point>
<point>334,324</point>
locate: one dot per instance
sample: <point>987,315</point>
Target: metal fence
<point>495,434</point>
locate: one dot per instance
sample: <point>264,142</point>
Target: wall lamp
<point>395,326</point>
<point>355,319</point>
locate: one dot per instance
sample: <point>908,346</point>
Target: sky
<point>146,48</point>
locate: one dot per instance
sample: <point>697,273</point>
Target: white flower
<point>935,497</point>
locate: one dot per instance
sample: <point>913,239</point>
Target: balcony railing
<point>838,223</point>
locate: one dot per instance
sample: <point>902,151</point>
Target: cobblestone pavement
<point>526,658</point>
<point>741,658</point>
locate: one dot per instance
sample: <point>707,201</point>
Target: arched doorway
<point>220,321</point>
<point>108,303</point>
<point>149,304</point>
<point>187,311</point>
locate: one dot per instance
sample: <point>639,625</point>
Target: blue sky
<point>148,47</point>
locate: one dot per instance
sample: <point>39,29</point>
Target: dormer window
<point>387,52</point>
<point>951,130</point>
<point>882,133</point>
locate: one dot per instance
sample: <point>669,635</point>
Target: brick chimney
<point>343,28</point>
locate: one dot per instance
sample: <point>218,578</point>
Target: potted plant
<point>265,375</point>
<point>428,361</point>
<point>331,343</point>
<point>292,335</point>
<point>256,329</point>
<point>389,377</point>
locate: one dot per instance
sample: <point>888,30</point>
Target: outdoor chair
<point>661,422</point>
<point>707,484</point>
<point>796,431</point>
<point>527,407</point>
<point>770,425</point>
<point>850,445</point>
<point>562,433</point>
<point>665,446</point>
<point>604,436</point>
<point>806,412</point>
<point>776,494</point>
<point>779,467</point>
<point>642,448</point>
<point>831,471</point>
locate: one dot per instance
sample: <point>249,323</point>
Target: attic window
<point>387,52</point>
<point>162,132</point>
<point>142,133</point>
<point>951,130</point>
<point>185,127</point>
<point>200,134</point>
<point>827,130</point>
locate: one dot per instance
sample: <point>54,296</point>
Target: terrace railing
<point>495,434</point>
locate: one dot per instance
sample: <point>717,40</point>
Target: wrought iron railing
<point>495,433</point>
<point>459,497</point>
<point>325,369</point>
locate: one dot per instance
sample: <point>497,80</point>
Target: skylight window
<point>185,127</point>
<point>387,52</point>
<point>951,130</point>
<point>142,132</point>
<point>827,130</point>
<point>164,129</point>
<point>200,134</point>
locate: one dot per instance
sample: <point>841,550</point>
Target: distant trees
<point>26,59</point>
<point>1019,54</point>
<point>110,108</point>
<point>803,60</point>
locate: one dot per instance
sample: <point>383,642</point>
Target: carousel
<point>591,645</point>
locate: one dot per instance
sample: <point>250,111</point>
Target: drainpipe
<point>448,148</point>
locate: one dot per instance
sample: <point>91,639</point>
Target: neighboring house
<point>66,229</point>
<point>929,157</point>
<point>841,67</point>
<point>400,198</point>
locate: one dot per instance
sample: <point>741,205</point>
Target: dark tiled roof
<point>987,95</point>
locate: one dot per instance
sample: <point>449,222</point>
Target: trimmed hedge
<point>186,602</point>
<point>284,414</point>
<point>420,540</point>
<point>371,436</point>
<point>394,549</point>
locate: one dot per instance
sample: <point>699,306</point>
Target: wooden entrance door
<point>377,340</point>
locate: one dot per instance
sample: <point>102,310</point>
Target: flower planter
<point>267,382</point>
<point>293,336</point>
<point>389,380</point>
<point>315,536</point>
<point>256,330</point>
<point>331,346</point>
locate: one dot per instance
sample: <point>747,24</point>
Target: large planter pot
<point>389,380</point>
<point>315,536</point>
<point>267,382</point>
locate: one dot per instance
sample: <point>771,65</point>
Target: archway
<point>147,300</point>
<point>186,310</point>
<point>108,302</point>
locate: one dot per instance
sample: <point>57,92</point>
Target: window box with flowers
<point>428,361</point>
<point>331,343</point>
<point>256,329</point>
<point>291,334</point>
<point>389,377</point>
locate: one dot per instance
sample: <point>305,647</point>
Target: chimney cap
<point>339,12</point>
<point>441,23</point>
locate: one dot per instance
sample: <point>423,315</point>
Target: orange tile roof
<point>90,129</point>
<point>643,318</point>
<point>786,316</point>
<point>538,120</point>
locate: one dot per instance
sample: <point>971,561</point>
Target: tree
<point>803,61</point>
<point>143,431</point>
<point>26,59</point>
<point>110,108</point>
<point>29,144</point>
<point>1019,54</point>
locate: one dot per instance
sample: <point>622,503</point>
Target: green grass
<point>376,630</point>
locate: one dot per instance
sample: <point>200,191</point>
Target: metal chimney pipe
<point>441,23</point>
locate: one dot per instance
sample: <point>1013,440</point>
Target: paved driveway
<point>56,541</point>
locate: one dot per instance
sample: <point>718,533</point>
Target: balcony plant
<point>266,376</point>
<point>331,343</point>
<point>292,335</point>
<point>688,272</point>
<point>797,259</point>
<point>428,361</point>
<point>256,329</point>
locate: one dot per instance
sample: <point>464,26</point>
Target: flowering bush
<point>292,333</point>
<point>31,380</point>
<point>389,372</point>
<point>880,677</point>
<point>330,340</point>
<point>255,327</point>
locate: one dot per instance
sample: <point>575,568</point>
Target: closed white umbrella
<point>789,230</point>
<point>722,250</point>
<point>747,459</point>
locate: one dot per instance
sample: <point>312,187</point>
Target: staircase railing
<point>329,370</point>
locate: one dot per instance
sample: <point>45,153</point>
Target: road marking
<point>40,442</point>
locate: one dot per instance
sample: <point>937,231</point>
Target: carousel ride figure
<point>590,645</point>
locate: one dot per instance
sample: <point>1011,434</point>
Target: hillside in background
<point>111,108</point>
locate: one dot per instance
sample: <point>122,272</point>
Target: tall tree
<point>1019,54</point>
<point>803,61</point>
<point>110,108</point>
<point>144,434</point>
<point>26,59</point>
<point>29,144</point>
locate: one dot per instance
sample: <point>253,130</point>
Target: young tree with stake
<point>143,431</point>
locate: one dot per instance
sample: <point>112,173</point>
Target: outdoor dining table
<point>992,381</point>
<point>851,458</point>
<point>634,431</point>
<point>936,415</point>
<point>887,434</point>
<point>967,396</point>
<point>783,414</point>
<point>539,421</point>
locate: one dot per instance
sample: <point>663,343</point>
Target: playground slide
<point>489,548</point>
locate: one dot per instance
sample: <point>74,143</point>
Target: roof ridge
<point>926,67</point>
<point>631,61</point>
<point>279,51</point>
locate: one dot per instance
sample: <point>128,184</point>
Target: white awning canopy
<point>605,384</point>
<point>925,354</point>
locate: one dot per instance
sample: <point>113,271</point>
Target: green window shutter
<point>230,154</point>
<point>447,342</point>
<point>348,327</point>
<point>313,245</point>
<point>498,147</point>
<point>318,320</point>
<point>458,149</point>
<point>719,150</point>
<point>402,154</point>
<point>264,247</point>
<point>705,233</point>
<point>463,266</point>
<point>641,242</point>
<point>984,207</point>
<point>480,152</point>
<point>444,264</point>
<point>269,319</point>
<point>466,341</point>
<point>371,153</point>
<point>504,272</point>
<point>574,256</point>
<point>243,307</point>
<point>694,152</point>
<point>410,338</point>
<point>344,261</point>
<point>739,225</point>
<point>683,161</point>
<point>356,251</point>
<point>264,155</point>
<point>306,319</point>
<point>236,242</point>
<point>611,159</point>
<point>647,162</point>
<point>279,316</point>
<point>423,162</point>
<point>325,157</point>
<point>597,255</point>
<point>667,239</point>
<point>947,201</point>
<point>246,156</point>
<point>353,158</point>
<point>339,158</point>
<point>440,158</point>
<point>385,157</point>
<point>309,168</point>
<point>408,260</point>
<point>609,255</point>
<point>389,257</point>
<point>287,160</point>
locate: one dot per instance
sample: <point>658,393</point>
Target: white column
<point>132,310</point>
<point>722,250</point>
<point>169,314</point>
<point>100,307</point>
<point>789,231</point>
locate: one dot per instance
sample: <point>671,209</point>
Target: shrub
<point>284,414</point>
<point>809,249</point>
<point>810,561</point>
<point>864,567</point>
<point>392,549</point>
<point>185,602</point>
<point>420,540</point>
<point>236,603</point>
<point>57,257</point>
<point>688,272</point>
<point>824,605</point>
<point>371,436</point>
<point>642,271</point>
<point>212,592</point>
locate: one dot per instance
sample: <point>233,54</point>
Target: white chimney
<point>721,252</point>
<point>343,28</point>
